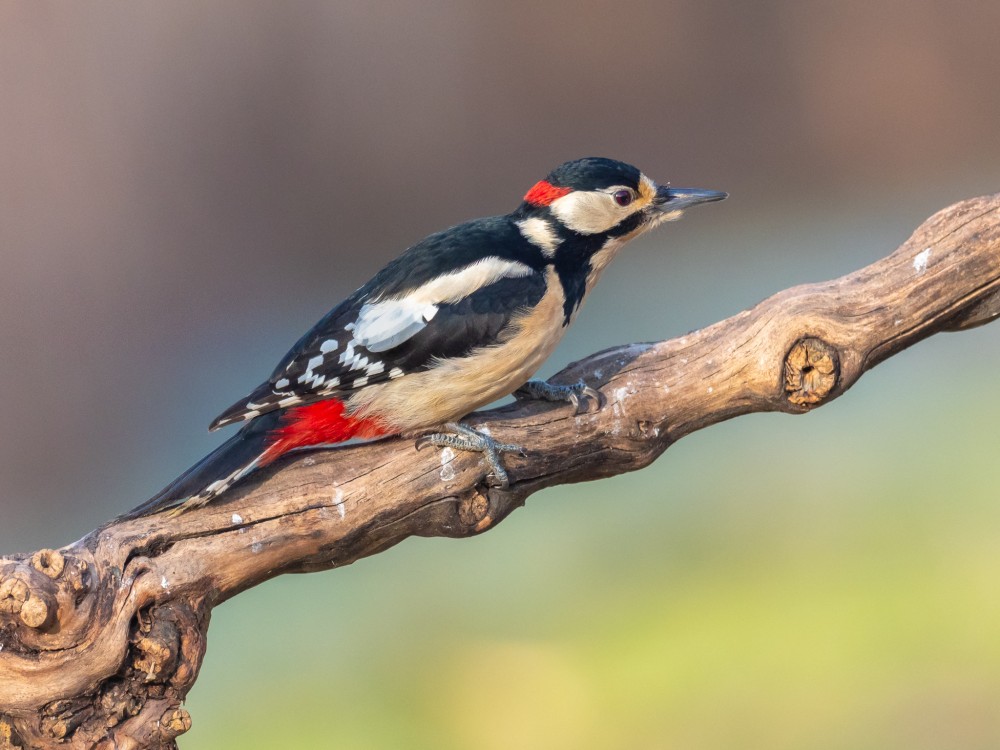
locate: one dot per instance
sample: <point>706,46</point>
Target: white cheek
<point>669,216</point>
<point>587,212</point>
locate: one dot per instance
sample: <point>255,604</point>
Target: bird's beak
<point>670,199</point>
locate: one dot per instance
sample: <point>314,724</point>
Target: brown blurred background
<point>185,187</point>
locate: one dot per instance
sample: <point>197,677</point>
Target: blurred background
<point>186,187</point>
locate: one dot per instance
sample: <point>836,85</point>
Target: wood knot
<point>61,718</point>
<point>13,593</point>
<point>157,645</point>
<point>473,511</point>
<point>812,369</point>
<point>174,721</point>
<point>50,562</point>
<point>16,598</point>
<point>79,576</point>
<point>118,703</point>
<point>34,612</point>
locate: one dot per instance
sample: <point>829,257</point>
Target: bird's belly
<point>455,387</point>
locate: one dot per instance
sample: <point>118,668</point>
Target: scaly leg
<point>575,394</point>
<point>465,438</point>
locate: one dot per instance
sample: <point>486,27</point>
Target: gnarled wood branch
<point>101,640</point>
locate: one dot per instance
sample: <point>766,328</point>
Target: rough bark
<point>101,640</point>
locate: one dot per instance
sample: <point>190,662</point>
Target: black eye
<point>622,197</point>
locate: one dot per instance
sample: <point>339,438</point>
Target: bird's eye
<point>622,197</point>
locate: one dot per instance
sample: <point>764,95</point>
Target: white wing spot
<point>375,368</point>
<point>328,346</point>
<point>395,372</point>
<point>348,353</point>
<point>310,377</point>
<point>283,383</point>
<point>360,382</point>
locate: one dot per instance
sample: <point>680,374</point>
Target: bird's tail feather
<point>218,471</point>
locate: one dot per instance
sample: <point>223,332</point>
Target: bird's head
<point>596,196</point>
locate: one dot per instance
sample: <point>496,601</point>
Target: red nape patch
<point>544,192</point>
<point>318,424</point>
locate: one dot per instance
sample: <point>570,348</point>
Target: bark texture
<point>101,640</point>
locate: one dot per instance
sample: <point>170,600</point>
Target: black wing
<point>365,341</point>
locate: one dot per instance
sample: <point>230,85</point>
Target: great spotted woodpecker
<point>460,319</point>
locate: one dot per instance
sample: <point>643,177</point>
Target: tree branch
<point>101,641</point>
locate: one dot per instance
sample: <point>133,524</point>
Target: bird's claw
<point>465,438</point>
<point>576,394</point>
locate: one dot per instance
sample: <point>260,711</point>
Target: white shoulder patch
<point>384,324</point>
<point>540,233</point>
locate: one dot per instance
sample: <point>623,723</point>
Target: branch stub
<point>174,721</point>
<point>13,594</point>
<point>812,369</point>
<point>49,562</point>
<point>34,612</point>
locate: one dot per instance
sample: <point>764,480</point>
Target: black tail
<point>215,473</point>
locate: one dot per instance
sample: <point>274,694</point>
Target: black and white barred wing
<point>369,339</point>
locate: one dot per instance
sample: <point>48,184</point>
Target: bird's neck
<point>578,259</point>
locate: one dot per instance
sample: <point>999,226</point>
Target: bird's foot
<point>465,438</point>
<point>576,394</point>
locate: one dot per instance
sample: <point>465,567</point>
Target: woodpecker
<point>462,318</point>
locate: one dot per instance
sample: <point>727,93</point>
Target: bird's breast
<point>452,388</point>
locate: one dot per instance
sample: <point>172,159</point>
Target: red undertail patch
<point>544,192</point>
<point>321,423</point>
